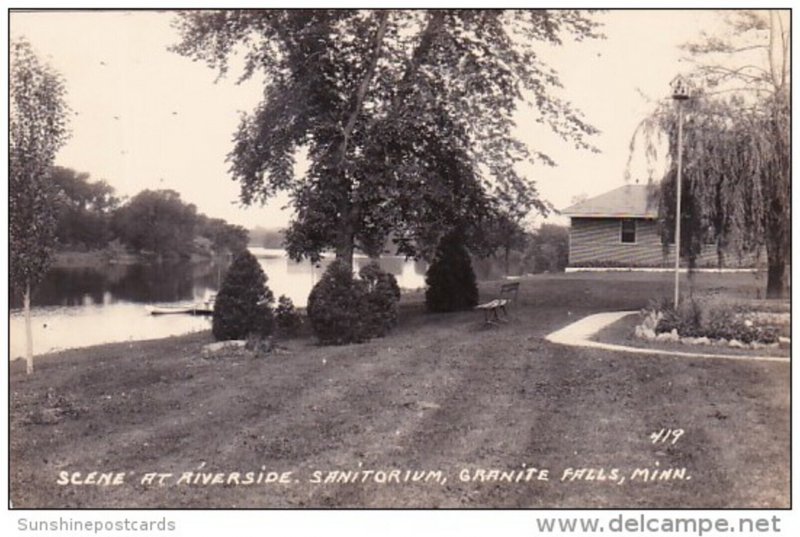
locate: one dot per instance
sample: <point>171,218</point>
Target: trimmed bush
<point>337,307</point>
<point>383,296</point>
<point>343,309</point>
<point>450,280</point>
<point>286,317</point>
<point>243,305</point>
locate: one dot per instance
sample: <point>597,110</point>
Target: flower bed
<point>709,321</point>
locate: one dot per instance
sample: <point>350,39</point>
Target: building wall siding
<point>595,242</point>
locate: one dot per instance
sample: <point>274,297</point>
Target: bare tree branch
<point>363,87</point>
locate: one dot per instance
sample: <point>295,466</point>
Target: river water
<point>78,306</point>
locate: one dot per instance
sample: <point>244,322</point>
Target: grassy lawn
<point>441,394</point>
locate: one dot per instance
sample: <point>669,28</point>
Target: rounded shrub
<point>337,307</point>
<point>382,296</point>
<point>286,317</point>
<point>243,304</point>
<point>450,280</point>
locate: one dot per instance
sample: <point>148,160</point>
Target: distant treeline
<point>547,249</point>
<point>516,250</point>
<point>266,238</point>
<point>153,222</point>
<point>521,251</point>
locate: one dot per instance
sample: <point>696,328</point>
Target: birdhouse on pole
<point>680,88</point>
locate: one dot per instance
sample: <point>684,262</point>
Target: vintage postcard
<point>399,258</point>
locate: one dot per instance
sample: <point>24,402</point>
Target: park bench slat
<point>508,294</point>
<point>496,303</point>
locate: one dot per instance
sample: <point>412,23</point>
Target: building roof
<point>629,201</point>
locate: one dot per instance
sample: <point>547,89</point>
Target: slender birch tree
<point>37,129</point>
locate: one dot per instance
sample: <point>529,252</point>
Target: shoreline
<point>53,354</point>
<point>411,301</point>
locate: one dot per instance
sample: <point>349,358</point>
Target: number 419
<point>666,435</point>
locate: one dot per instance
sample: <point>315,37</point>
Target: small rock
<point>645,332</point>
<point>702,341</point>
<point>668,336</point>
<point>652,319</point>
<point>784,342</point>
<point>735,343</point>
<point>212,348</point>
<point>259,346</point>
<point>45,416</point>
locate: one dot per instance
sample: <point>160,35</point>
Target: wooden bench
<point>491,310</point>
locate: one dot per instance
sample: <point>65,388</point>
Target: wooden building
<point>619,229</point>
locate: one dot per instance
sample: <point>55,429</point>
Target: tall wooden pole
<point>678,204</point>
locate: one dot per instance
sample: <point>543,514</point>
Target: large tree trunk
<point>346,235</point>
<point>28,329</point>
<point>691,272</point>
<point>345,243</point>
<point>344,253</point>
<point>779,215</point>
<point>777,243</point>
<point>776,280</point>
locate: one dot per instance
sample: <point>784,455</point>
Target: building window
<point>628,231</point>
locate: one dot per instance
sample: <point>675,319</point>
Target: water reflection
<point>81,286</point>
<point>78,307</point>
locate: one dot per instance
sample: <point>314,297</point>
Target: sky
<point>144,117</point>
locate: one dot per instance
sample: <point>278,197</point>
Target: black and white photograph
<point>393,258</point>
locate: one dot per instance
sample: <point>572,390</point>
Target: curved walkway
<point>578,334</point>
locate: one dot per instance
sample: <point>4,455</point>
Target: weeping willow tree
<point>736,150</point>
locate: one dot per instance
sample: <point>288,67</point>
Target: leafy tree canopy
<point>84,208</point>
<point>37,130</point>
<point>223,236</point>
<point>157,221</point>
<point>548,249</point>
<point>406,115</point>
